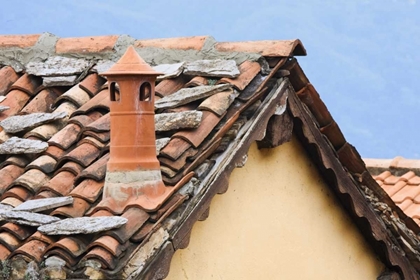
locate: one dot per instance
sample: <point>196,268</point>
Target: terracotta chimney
<point>133,175</point>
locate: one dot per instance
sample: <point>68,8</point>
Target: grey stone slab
<point>4,108</point>
<point>212,68</point>
<point>187,95</point>
<point>38,205</point>
<point>20,123</point>
<point>5,207</point>
<point>169,70</point>
<point>58,66</point>
<point>160,143</point>
<point>103,66</point>
<point>82,225</point>
<point>17,145</point>
<point>180,120</point>
<point>28,218</point>
<point>59,81</point>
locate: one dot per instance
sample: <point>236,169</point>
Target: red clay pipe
<point>133,177</point>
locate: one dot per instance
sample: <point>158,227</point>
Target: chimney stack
<point>133,176</point>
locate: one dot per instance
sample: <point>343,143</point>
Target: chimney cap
<point>131,64</point>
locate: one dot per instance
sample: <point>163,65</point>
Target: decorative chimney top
<point>133,175</point>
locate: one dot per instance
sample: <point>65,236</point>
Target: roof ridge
<point>18,50</point>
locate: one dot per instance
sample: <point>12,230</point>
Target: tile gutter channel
<point>216,182</point>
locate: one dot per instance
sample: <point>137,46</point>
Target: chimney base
<point>142,188</point>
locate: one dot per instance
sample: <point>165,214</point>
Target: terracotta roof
<point>270,98</point>
<point>400,178</point>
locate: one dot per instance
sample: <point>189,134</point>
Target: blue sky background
<point>363,56</point>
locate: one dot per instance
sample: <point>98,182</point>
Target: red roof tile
<point>86,45</point>
<point>20,41</point>
<point>181,43</point>
<point>401,178</point>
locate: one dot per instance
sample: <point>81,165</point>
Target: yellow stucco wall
<point>278,220</point>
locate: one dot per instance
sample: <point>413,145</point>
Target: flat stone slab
<point>38,205</point>
<point>28,218</point>
<point>4,108</point>
<point>187,95</point>
<point>212,68</point>
<point>17,145</point>
<point>82,225</point>
<point>59,81</point>
<point>172,121</point>
<point>58,66</point>
<point>169,70</point>
<point>16,124</point>
<point>5,207</point>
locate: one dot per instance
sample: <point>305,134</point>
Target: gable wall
<point>278,220</point>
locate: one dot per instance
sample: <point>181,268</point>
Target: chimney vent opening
<point>113,90</point>
<point>145,90</point>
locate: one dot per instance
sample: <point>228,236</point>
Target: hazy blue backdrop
<point>363,56</point>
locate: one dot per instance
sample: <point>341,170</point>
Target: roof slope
<point>215,115</point>
<point>400,178</point>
